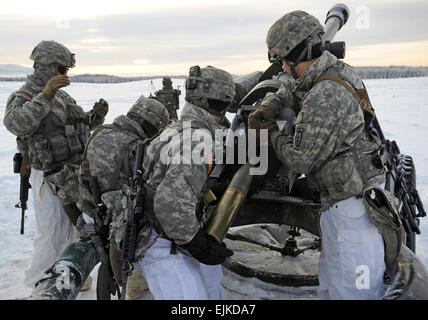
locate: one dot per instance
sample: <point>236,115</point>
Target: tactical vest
<point>149,221</point>
<point>149,168</point>
<point>169,98</point>
<point>116,171</point>
<point>381,205</point>
<point>55,143</point>
<point>353,168</point>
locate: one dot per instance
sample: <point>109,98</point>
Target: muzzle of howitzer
<point>230,203</point>
<point>336,18</point>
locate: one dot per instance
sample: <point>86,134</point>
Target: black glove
<point>206,250</point>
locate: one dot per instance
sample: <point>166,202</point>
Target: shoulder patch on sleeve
<point>25,96</point>
<point>298,137</point>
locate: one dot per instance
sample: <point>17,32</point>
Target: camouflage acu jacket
<point>49,129</point>
<point>53,132</point>
<point>180,184</point>
<point>110,156</point>
<point>330,145</point>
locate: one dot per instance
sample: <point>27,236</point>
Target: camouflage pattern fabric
<point>110,152</point>
<point>288,31</point>
<point>111,155</point>
<point>48,52</point>
<point>50,131</point>
<point>111,158</point>
<point>179,186</point>
<point>330,145</point>
<point>209,83</point>
<point>149,111</point>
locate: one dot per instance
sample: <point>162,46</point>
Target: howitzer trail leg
<point>68,274</point>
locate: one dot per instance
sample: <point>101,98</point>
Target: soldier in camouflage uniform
<point>52,129</point>
<point>178,259</point>
<point>169,97</point>
<point>334,149</point>
<point>110,156</point>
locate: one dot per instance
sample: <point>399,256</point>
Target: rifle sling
<point>25,166</point>
<point>359,94</point>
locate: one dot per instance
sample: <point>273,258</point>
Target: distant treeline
<point>102,78</point>
<point>98,78</point>
<point>364,72</point>
<point>391,72</point>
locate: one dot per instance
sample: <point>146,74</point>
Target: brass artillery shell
<point>230,203</point>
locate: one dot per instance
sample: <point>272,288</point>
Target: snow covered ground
<point>402,108</point>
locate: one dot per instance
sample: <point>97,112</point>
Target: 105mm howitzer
<point>283,197</point>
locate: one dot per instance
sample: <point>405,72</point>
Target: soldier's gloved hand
<point>101,108</point>
<point>54,85</point>
<point>263,113</point>
<point>206,250</point>
<point>258,124</point>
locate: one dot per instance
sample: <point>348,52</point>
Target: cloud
<point>227,33</point>
<point>412,53</point>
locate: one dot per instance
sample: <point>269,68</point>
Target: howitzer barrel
<point>228,207</point>
<point>243,85</point>
<point>247,82</point>
<point>335,20</point>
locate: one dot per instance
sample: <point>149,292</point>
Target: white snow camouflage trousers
<point>178,276</point>
<point>352,263</point>
<point>54,229</point>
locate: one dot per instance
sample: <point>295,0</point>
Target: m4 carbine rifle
<point>99,233</point>
<point>22,166</point>
<point>401,179</point>
<point>138,197</point>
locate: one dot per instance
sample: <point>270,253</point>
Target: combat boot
<point>136,285</point>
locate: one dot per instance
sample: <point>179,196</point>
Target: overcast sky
<point>167,37</point>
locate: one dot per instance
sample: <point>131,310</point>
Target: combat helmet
<point>52,52</point>
<point>291,30</point>
<point>210,88</point>
<point>151,114</point>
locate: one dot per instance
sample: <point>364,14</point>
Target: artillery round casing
<point>230,203</point>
